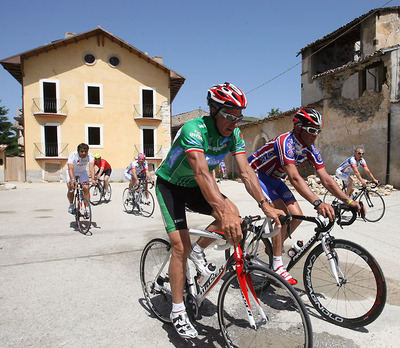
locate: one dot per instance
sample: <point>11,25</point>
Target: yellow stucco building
<point>98,89</point>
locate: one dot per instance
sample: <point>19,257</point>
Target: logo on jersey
<point>196,134</point>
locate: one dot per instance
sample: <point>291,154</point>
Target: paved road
<point>62,288</point>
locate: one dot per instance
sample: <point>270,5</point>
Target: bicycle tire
<point>374,205</point>
<point>154,262</point>
<point>83,218</point>
<point>127,200</point>
<point>95,192</point>
<point>361,297</point>
<point>288,323</point>
<point>329,198</point>
<point>146,203</point>
<point>107,195</point>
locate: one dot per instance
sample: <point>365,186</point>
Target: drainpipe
<point>388,150</point>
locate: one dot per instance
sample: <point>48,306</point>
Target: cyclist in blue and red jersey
<point>280,157</point>
<point>349,167</point>
<point>185,178</point>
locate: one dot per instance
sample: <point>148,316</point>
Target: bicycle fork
<point>247,291</point>
<point>333,259</point>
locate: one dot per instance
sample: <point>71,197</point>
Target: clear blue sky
<point>246,42</point>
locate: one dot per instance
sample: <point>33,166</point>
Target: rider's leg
<point>180,243</point>
<point>106,178</point>
<point>70,192</point>
<point>350,183</point>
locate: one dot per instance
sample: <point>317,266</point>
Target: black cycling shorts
<point>106,172</point>
<point>173,199</point>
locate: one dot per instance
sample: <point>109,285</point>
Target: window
<point>148,141</point>
<point>93,95</point>
<point>147,96</point>
<point>114,61</point>
<point>49,96</point>
<point>94,135</point>
<point>89,58</point>
<point>51,139</point>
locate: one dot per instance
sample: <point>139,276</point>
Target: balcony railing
<point>148,111</point>
<point>53,150</point>
<point>49,106</point>
<point>149,150</point>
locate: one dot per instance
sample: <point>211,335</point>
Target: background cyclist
<point>281,156</point>
<point>184,178</point>
<point>76,167</point>
<point>104,169</point>
<point>349,167</point>
<point>138,169</point>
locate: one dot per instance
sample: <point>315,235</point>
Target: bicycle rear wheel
<point>127,200</point>
<point>83,215</point>
<point>374,205</point>
<point>329,198</point>
<point>107,195</point>
<point>154,264</point>
<point>95,194</point>
<point>361,295</point>
<point>146,203</point>
<point>287,324</point>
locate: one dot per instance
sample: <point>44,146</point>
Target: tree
<point>274,112</point>
<point>8,134</point>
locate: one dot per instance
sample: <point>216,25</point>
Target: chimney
<point>68,34</point>
<point>159,59</point>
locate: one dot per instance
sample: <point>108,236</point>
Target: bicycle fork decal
<point>246,284</point>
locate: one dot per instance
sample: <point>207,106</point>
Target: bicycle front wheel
<point>146,203</point>
<point>107,194</point>
<point>154,264</point>
<point>83,215</point>
<point>286,322</point>
<point>374,205</point>
<point>360,296</point>
<point>329,198</point>
<point>95,194</point>
<point>127,200</point>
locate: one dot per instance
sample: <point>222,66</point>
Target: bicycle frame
<point>199,293</point>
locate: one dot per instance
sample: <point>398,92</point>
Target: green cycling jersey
<point>198,135</point>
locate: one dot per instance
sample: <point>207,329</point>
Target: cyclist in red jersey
<point>104,169</point>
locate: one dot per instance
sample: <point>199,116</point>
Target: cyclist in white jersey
<point>138,169</point>
<point>349,166</point>
<point>76,167</point>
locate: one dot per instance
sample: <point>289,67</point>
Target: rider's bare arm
<point>91,171</point>
<point>358,175</point>
<point>221,211</point>
<point>369,173</point>
<point>330,184</point>
<point>253,187</point>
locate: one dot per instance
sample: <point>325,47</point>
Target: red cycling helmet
<point>307,117</point>
<point>226,95</point>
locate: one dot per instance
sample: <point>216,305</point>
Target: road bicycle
<point>255,306</point>
<point>82,210</point>
<point>372,200</point>
<point>342,280</point>
<point>97,192</point>
<point>138,200</point>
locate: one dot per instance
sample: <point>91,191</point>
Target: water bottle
<point>205,273</point>
<point>295,248</point>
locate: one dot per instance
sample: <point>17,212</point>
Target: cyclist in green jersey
<point>184,179</point>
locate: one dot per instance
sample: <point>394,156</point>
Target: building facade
<point>97,89</point>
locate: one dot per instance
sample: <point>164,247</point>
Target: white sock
<point>277,262</point>
<point>197,248</point>
<point>178,307</point>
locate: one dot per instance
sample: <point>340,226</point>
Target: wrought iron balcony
<point>151,151</point>
<point>49,107</point>
<point>147,111</point>
<point>50,151</point>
